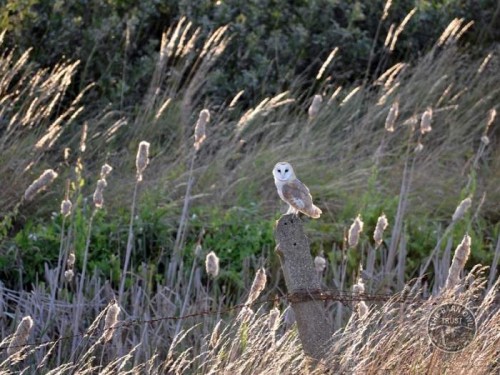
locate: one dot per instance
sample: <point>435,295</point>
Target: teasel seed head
<point>212,264</point>
<point>21,335</point>
<point>378,234</point>
<point>110,322</point>
<point>461,209</point>
<point>392,116</point>
<point>66,206</point>
<point>354,231</point>
<point>200,129</point>
<point>459,259</point>
<point>315,106</point>
<point>45,179</point>
<point>142,159</point>
<point>425,121</point>
<point>258,285</point>
<point>319,263</point>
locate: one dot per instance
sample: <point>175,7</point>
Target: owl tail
<point>315,212</point>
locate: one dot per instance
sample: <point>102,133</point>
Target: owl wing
<point>297,195</point>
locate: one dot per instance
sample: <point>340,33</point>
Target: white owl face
<point>283,171</point>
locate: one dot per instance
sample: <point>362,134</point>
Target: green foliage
<point>287,43</point>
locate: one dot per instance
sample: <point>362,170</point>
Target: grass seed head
<point>214,337</point>
<point>142,159</point>
<point>45,179</point>
<point>66,207</point>
<point>98,193</point>
<point>200,133</point>
<point>110,322</point>
<point>21,335</point>
<point>106,170</point>
<point>258,285</point>
<point>315,106</point>
<point>71,260</point>
<point>425,121</point>
<point>274,319</point>
<point>378,234</point>
<point>354,231</point>
<point>461,209</point>
<point>212,264</point>
<point>68,275</point>
<point>457,265</point>
<point>392,116</point>
<point>359,287</point>
<point>319,263</point>
<point>245,314</point>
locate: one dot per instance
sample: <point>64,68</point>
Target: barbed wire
<point>298,296</point>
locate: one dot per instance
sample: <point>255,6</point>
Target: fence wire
<point>298,296</point>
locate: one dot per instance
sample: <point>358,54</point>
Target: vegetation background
<point>82,83</point>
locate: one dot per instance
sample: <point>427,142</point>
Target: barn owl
<point>294,192</point>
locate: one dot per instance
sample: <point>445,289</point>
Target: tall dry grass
<point>77,329</point>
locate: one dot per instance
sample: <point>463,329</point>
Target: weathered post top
<point>300,276</point>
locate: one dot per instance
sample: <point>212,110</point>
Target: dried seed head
<point>212,264</point>
<point>457,265</point>
<point>319,263</point>
<point>359,287</point>
<point>45,179</point>
<point>419,148</point>
<point>66,207</point>
<point>354,231</point>
<point>200,128</point>
<point>106,170</point>
<point>390,121</point>
<point>67,152</point>
<point>461,209</point>
<point>492,113</point>
<point>141,160</point>
<point>197,250</point>
<point>485,140</point>
<point>71,260</point>
<point>289,317</point>
<point>83,139</point>
<point>258,285</point>
<point>274,319</point>
<point>315,106</point>
<point>20,336</point>
<point>68,275</point>
<point>98,196</point>
<point>425,121</point>
<point>245,314</point>
<point>379,229</point>
<point>362,308</point>
<point>110,322</point>
<point>214,337</point>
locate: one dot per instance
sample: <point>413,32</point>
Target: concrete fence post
<point>304,286</point>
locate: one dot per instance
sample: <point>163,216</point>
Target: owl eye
<point>279,170</point>
<point>286,170</point>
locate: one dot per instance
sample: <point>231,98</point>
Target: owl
<point>294,192</point>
